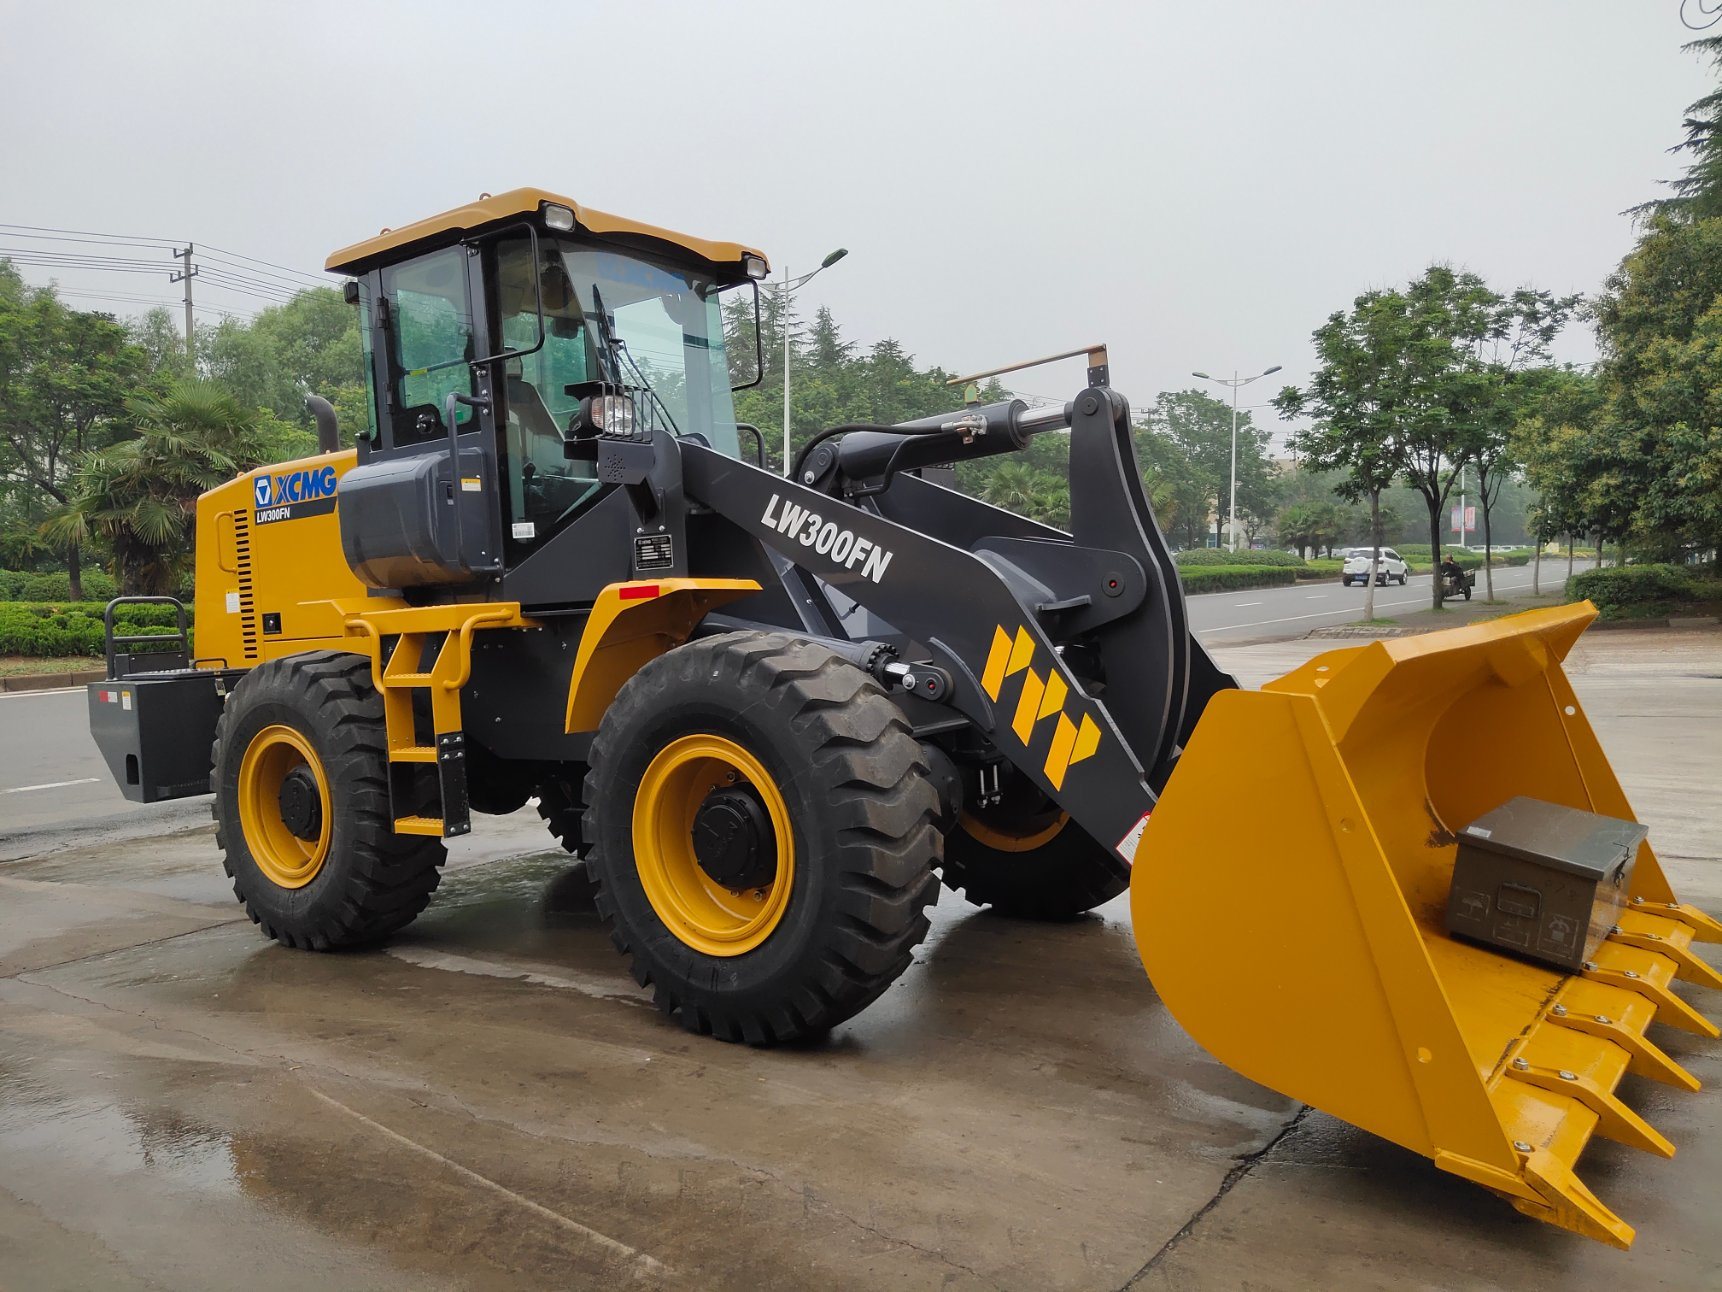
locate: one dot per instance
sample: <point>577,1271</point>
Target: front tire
<point>302,810</point>
<point>805,891</point>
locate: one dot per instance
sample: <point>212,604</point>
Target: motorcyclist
<point>1451,575</point>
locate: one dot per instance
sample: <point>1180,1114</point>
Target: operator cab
<point>495,337</point>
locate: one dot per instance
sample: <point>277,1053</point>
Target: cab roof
<point>518,203</point>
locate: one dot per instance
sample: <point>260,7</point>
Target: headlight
<point>754,266</point>
<point>558,217</point>
<point>610,414</point>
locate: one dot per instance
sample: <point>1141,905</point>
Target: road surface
<point>1234,617</point>
<point>491,1103</point>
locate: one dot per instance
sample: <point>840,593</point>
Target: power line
<point>321,280</point>
<point>264,283</point>
<point>82,260</point>
<point>248,280</point>
<point>259,290</point>
<point>15,231</point>
<point>265,275</point>
<point>135,239</point>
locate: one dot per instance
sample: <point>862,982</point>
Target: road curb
<point>49,681</point>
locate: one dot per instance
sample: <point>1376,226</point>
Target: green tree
<point>1423,381</point>
<point>155,333</point>
<point>1359,399</point>
<point>309,346</point>
<point>64,377</point>
<point>1659,327</point>
<point>1553,440</point>
<point>1504,361</point>
<point>1200,427</point>
<point>1698,193</point>
<point>1311,526</point>
<point>139,496</point>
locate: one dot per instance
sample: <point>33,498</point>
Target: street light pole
<point>783,320</point>
<point>1232,507</point>
<point>1236,383</point>
<point>785,289</point>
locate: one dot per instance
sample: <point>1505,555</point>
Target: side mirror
<point>758,347</point>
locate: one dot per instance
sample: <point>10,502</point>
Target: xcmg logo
<point>290,494</point>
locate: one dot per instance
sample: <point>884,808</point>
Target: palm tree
<point>140,495</point>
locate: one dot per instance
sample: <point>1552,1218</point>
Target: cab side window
<point>430,343</point>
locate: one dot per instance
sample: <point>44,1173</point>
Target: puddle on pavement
<point>42,1123</point>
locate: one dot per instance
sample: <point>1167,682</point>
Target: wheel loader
<point>772,713</point>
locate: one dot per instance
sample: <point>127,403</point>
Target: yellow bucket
<point>1297,932</point>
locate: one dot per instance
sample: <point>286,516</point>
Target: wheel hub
<point>301,804</point>
<point>733,838</point>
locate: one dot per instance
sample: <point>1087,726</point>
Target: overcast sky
<point>1196,184</point>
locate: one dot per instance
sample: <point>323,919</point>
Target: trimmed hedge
<point>72,628</point>
<point>1220,556</point>
<point>1236,578</point>
<point>17,585</point>
<point>1641,591</point>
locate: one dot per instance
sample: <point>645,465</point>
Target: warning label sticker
<point>1128,845</point>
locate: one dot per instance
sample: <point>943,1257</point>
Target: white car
<point>1389,568</point>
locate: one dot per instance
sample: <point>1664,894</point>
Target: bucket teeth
<point>1704,928</point>
<point>1665,937</point>
<point>1614,1120</point>
<point>1644,1057</point>
<point>1565,1201</point>
<point>1648,973</point>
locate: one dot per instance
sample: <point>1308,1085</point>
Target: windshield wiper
<point>618,351</point>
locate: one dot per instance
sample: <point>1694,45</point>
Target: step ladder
<point>400,676</point>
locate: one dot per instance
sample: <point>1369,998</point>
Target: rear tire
<point>318,719</point>
<point>1038,865</point>
<point>841,787</point>
<point>560,806</point>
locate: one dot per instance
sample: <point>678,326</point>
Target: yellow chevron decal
<point>1070,744</point>
<point>1056,690</point>
<point>1058,757</point>
<point>1040,697</point>
<point>1028,706</point>
<point>1087,739</point>
<point>993,678</point>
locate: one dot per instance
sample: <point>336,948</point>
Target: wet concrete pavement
<point>490,1102</point>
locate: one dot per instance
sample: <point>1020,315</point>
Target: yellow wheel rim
<point>701,912</point>
<point>284,858</point>
<point>1016,838</point>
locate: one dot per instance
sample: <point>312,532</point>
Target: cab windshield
<point>662,323</point>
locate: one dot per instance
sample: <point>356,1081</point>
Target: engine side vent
<point>247,604</point>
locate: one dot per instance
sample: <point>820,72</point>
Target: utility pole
<point>186,275</point>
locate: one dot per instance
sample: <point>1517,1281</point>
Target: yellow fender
<point>630,625</point>
<point>1298,935</point>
